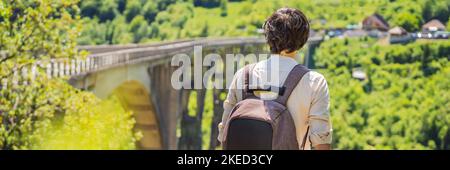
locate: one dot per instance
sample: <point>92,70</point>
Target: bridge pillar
<point>169,102</point>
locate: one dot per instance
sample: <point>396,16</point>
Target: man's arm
<point>322,147</point>
<point>319,115</point>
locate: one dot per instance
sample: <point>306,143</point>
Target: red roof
<point>375,21</point>
<point>398,31</point>
<point>433,25</point>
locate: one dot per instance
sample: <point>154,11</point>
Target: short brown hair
<point>286,29</point>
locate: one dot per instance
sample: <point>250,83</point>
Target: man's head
<point>286,30</point>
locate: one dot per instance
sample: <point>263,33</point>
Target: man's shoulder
<point>239,74</point>
<point>311,82</point>
<point>313,76</point>
<point>241,71</point>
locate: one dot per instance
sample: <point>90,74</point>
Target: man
<point>287,31</point>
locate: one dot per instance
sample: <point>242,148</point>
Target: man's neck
<point>290,55</point>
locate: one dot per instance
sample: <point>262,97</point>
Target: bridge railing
<point>51,68</point>
<point>108,60</point>
<point>108,57</point>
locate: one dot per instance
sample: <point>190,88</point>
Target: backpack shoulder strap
<point>247,71</point>
<point>291,82</point>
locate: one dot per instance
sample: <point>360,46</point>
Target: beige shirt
<point>308,104</point>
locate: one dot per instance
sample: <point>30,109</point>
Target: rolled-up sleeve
<point>319,114</point>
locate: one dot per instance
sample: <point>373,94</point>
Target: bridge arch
<point>135,97</point>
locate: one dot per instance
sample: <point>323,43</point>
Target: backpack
<point>256,124</point>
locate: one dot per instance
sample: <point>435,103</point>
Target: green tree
<point>36,31</point>
<point>448,24</point>
<point>121,35</point>
<point>108,10</point>
<point>435,9</point>
<point>166,17</point>
<point>90,8</point>
<point>121,4</point>
<point>223,8</point>
<point>93,32</point>
<point>154,30</point>
<point>408,21</point>
<point>207,3</point>
<point>164,4</point>
<point>139,28</point>
<point>105,125</point>
<point>205,30</point>
<point>133,8</point>
<point>149,11</point>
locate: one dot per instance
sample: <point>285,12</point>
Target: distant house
<point>355,33</point>
<point>433,26</point>
<point>398,31</point>
<point>359,74</point>
<point>399,35</point>
<point>433,29</point>
<point>375,22</point>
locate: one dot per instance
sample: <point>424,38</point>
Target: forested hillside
<point>139,21</point>
<point>402,104</point>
